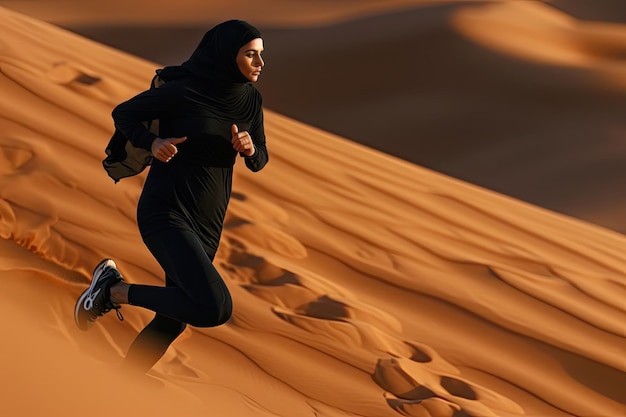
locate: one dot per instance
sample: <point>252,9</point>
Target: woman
<point>208,111</point>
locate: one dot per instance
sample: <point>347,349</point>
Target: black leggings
<point>194,293</point>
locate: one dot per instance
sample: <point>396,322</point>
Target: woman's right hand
<point>165,149</point>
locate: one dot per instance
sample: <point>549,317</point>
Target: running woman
<point>209,112</point>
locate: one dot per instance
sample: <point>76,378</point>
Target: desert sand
<point>525,98</point>
<point>364,285</point>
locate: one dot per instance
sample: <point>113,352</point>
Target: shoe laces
<point>118,313</point>
<point>113,306</point>
<point>99,312</point>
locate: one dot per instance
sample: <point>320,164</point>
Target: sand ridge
<point>363,285</point>
<point>521,97</point>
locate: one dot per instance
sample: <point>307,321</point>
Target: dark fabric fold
<point>213,70</point>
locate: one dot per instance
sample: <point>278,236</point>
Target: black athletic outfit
<point>183,203</point>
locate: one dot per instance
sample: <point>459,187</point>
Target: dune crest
<point>537,32</point>
<point>294,13</point>
<point>363,285</point>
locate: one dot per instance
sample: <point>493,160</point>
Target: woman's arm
<point>260,157</point>
<point>130,117</point>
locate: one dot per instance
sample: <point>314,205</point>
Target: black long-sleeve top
<point>192,190</point>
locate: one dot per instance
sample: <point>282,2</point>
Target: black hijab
<point>211,72</point>
<point>213,69</point>
<point>214,59</point>
<point>215,56</point>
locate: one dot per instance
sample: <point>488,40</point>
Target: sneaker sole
<point>98,270</point>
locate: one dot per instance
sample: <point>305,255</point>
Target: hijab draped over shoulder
<point>213,63</point>
<point>213,72</point>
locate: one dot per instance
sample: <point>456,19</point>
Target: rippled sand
<point>363,285</point>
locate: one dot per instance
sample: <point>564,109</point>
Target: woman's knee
<point>216,309</point>
<point>213,317</point>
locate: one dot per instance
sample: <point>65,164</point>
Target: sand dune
<point>522,97</point>
<point>514,96</point>
<point>117,12</point>
<point>364,285</point>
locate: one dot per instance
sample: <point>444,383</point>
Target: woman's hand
<point>242,142</point>
<point>165,149</point>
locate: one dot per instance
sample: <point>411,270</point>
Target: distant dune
<point>521,97</point>
<point>364,284</point>
<point>516,96</point>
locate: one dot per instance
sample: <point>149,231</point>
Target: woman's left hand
<point>242,142</point>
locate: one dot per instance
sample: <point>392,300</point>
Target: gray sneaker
<point>95,301</point>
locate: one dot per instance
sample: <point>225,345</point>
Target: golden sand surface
<point>363,285</point>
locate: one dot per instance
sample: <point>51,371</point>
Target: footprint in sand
<point>417,381</point>
<point>433,389</point>
<point>84,82</point>
<point>65,74</point>
<point>12,158</point>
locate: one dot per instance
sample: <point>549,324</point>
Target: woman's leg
<point>194,293</point>
<point>152,342</point>
<point>198,295</point>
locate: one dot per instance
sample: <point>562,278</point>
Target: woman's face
<point>249,59</point>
